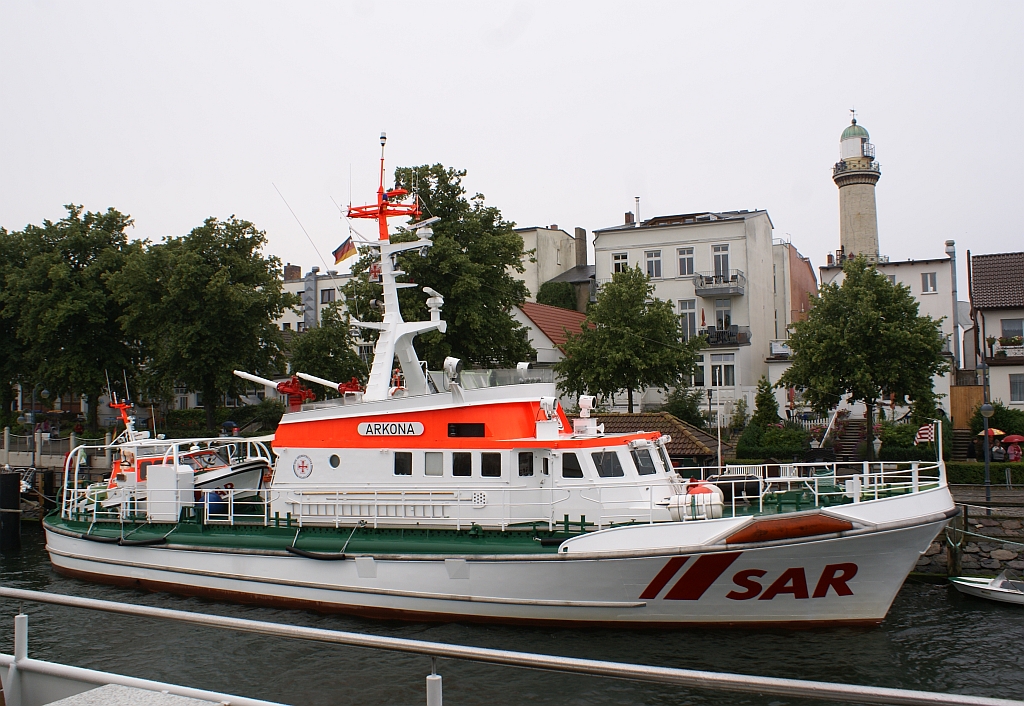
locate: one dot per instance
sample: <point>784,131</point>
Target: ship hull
<point>816,582</point>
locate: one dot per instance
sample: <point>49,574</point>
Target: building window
<point>286,326</point>
<point>723,370</point>
<point>366,353</point>
<point>462,463</point>
<point>685,261</point>
<point>1012,327</point>
<point>403,463</point>
<point>721,253</point>
<point>327,296</point>
<point>698,373</point>
<point>300,326</point>
<point>620,262</point>
<point>928,284</point>
<point>892,279</point>
<point>1017,388</point>
<point>433,463</point>
<point>723,313</point>
<point>490,465</point>
<point>653,263</point>
<point>688,318</point>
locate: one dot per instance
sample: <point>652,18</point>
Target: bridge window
<point>433,463</point>
<point>403,463</point>
<point>608,465</point>
<point>571,466</point>
<point>644,462</point>
<point>464,430</point>
<point>490,465</point>
<point>462,463</point>
<point>526,463</point>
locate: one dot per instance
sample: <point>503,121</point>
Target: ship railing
<point>423,505</point>
<point>803,486</point>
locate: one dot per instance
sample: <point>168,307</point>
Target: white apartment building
<point>727,279</point>
<point>549,252</point>
<point>997,300</point>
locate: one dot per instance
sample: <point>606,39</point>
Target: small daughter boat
<point>1003,588</point>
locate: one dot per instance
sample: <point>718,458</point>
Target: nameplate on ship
<point>390,429</point>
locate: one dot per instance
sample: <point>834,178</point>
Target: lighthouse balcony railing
<point>841,166</point>
<point>719,283</point>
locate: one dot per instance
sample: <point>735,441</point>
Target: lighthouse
<point>856,174</point>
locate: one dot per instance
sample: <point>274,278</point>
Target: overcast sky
<point>560,112</point>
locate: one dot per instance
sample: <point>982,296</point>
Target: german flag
<point>344,251</point>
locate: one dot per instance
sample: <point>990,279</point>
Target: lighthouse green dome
<point>854,130</point>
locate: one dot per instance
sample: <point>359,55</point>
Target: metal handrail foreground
<point>662,675</point>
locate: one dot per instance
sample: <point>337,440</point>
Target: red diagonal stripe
<point>664,576</point>
<point>700,576</point>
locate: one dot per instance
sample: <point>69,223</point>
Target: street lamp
<point>987,411</point>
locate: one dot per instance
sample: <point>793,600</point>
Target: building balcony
<point>726,337</point>
<point>727,283</point>
<point>1000,354</point>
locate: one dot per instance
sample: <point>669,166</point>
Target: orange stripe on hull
<point>768,530</point>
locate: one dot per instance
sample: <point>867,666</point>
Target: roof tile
<point>997,281</point>
<point>553,321</point>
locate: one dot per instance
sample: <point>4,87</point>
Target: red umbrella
<point>1013,439</point>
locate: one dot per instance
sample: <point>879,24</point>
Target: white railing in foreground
<point>691,678</point>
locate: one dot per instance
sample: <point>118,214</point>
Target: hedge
<point>960,473</point>
<point>268,411</point>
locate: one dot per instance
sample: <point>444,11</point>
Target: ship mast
<point>396,335</point>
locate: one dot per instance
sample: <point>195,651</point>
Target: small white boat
<point>1003,588</point>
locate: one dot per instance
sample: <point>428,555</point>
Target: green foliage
<point>203,305</point>
<point>326,351</point>
<point>60,318</point>
<point>1003,418</point>
<point>777,440</point>
<point>962,473</point>
<point>469,264</point>
<point>864,338</point>
<point>193,420</point>
<point>630,340</point>
<point>766,407</point>
<point>685,403</point>
<point>898,435</point>
<point>560,294</point>
<point>739,415</point>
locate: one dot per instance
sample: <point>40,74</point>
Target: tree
<point>630,340</point>
<point>766,407</point>
<point>864,338</point>
<point>560,294</point>
<point>684,403</point>
<point>470,263</point>
<point>65,315</point>
<point>204,305</point>
<point>12,367</point>
<point>326,351</point>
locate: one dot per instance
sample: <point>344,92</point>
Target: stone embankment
<point>991,544</point>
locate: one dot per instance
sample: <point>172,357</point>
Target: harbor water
<point>933,640</point>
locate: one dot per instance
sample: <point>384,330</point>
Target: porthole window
<point>334,461</point>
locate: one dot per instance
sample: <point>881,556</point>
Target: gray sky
<point>560,112</point>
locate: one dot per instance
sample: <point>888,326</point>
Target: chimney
<point>581,247</point>
<point>292,272</point>
<point>629,218</point>
<point>553,226</point>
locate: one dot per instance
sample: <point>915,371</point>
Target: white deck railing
<point>749,489</point>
